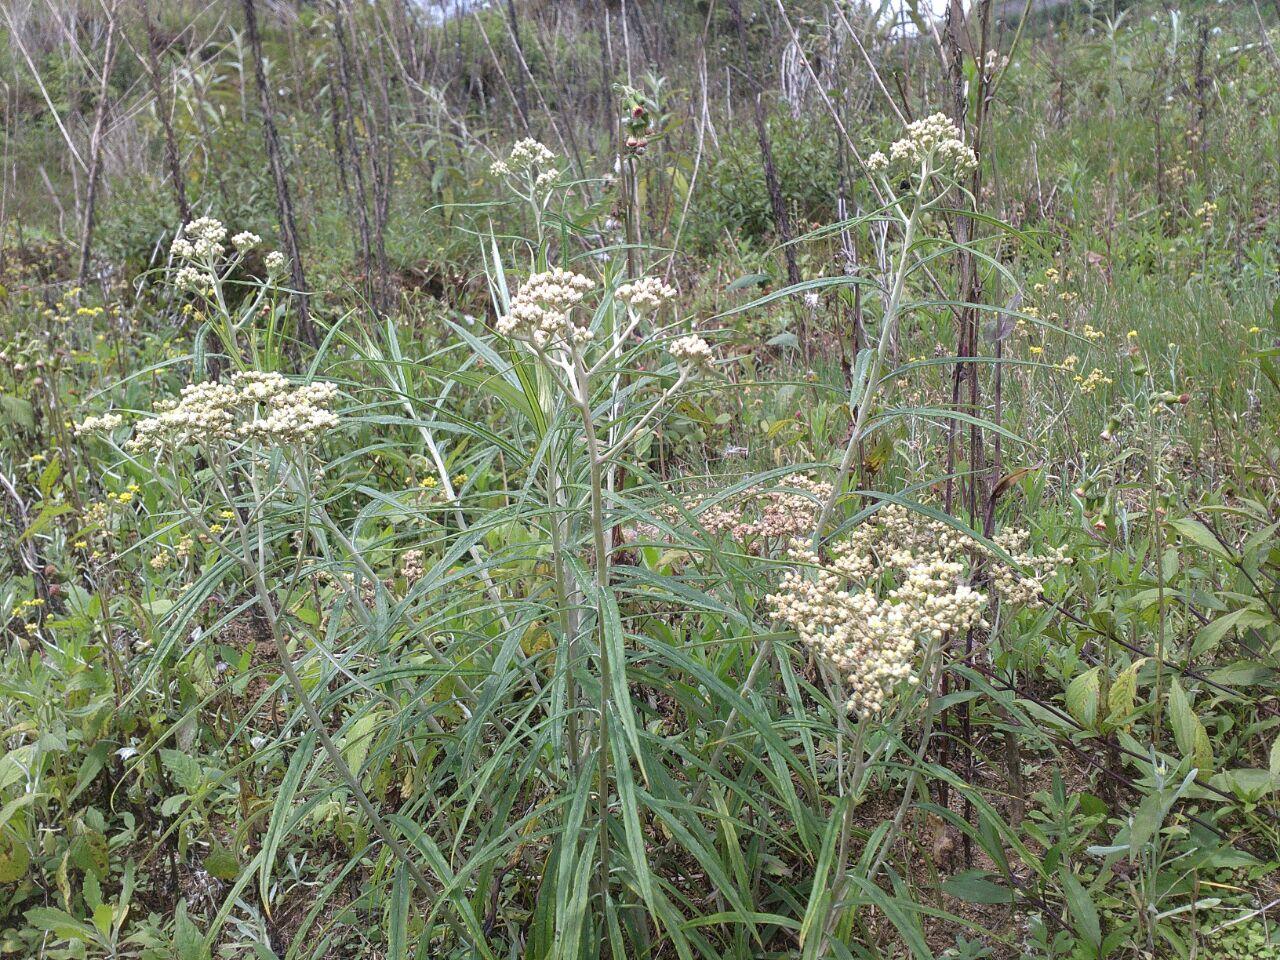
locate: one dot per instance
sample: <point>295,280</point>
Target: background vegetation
<point>441,682</point>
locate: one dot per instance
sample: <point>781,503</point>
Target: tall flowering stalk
<point>204,267</point>
<point>257,434</point>
<point>876,607</point>
<point>929,160</point>
<point>578,332</point>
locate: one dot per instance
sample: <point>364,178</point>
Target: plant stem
<point>871,383</point>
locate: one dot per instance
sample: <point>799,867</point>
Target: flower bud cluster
<point>413,565</point>
<point>527,155</point>
<point>647,293</point>
<point>541,312</point>
<point>193,279</point>
<point>1023,589</point>
<point>254,405</point>
<point>869,634</point>
<point>752,517</point>
<point>934,143</point>
<point>245,241</point>
<point>203,238</point>
<point>691,352</point>
<point>104,423</point>
<point>897,583</point>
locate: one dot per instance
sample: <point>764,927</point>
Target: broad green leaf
<point>1082,698</point>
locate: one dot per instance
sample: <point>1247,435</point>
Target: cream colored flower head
<point>647,293</point>
<point>204,238</point>
<point>193,279</point>
<point>103,423</point>
<point>932,145</point>
<point>528,156</point>
<point>258,406</point>
<point>691,352</point>
<point>543,312</point>
<point>896,585</point>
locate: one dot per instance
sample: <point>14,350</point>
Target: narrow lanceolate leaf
<point>819,906</point>
<point>1082,698</point>
<point>282,813</point>
<point>398,918</point>
<point>615,643</point>
<point>630,808</point>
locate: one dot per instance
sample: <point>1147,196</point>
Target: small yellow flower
<point>1255,329</point>
<point>228,514</point>
<point>217,528</point>
<point>80,545</point>
<point>1036,351</point>
<point>1132,334</point>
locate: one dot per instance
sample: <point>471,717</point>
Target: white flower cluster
<point>752,516</point>
<point>934,144</point>
<point>104,423</point>
<point>691,352</point>
<point>525,156</point>
<point>1015,587</point>
<point>870,632</point>
<point>275,261</point>
<point>647,293</point>
<point>193,279</point>
<point>541,312</point>
<point>872,639</point>
<point>245,240</point>
<point>203,238</point>
<point>254,405</point>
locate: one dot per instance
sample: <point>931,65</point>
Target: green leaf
<point>1188,732</point>
<point>1122,693</point>
<point>61,924</point>
<point>815,914</point>
<point>1082,698</point>
<point>222,863</point>
<point>185,768</point>
<point>103,917</point>
<point>1083,912</point>
<point>975,887</point>
<point>18,412</point>
<point>14,858</point>
<point>282,812</point>
<point>1195,531</point>
<point>749,280</point>
<point>358,739</point>
<point>1247,783</point>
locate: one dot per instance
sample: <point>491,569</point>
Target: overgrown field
<point>645,480</point>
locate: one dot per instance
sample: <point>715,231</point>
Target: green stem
<point>871,382</point>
